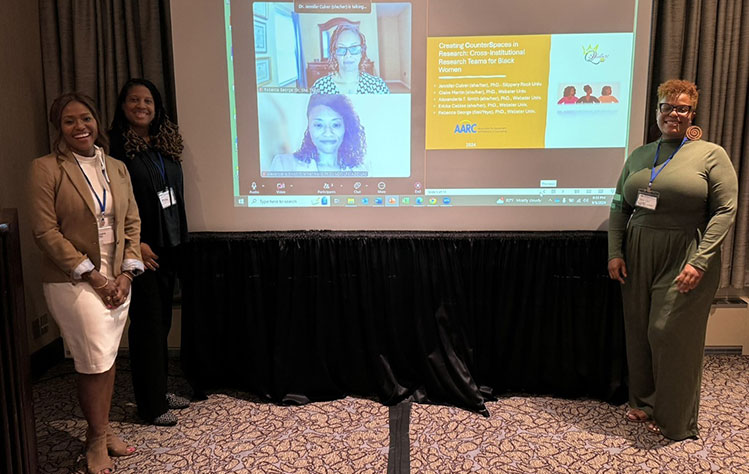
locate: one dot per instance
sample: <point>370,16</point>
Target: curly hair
<point>354,147</point>
<point>55,119</point>
<point>332,61</point>
<point>164,133</point>
<point>676,87</point>
<point>569,91</point>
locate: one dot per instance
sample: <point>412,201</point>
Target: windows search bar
<point>284,201</point>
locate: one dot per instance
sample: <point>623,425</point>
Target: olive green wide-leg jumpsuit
<point>665,329</point>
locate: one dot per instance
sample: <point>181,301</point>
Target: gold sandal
<point>635,415</point>
<point>653,428</point>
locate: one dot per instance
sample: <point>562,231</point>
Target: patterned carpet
<point>234,433</point>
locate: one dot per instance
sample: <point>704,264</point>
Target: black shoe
<point>176,402</point>
<point>165,419</point>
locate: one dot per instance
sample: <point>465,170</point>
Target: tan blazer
<point>63,215</point>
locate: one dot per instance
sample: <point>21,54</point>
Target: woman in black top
<point>150,145</point>
<point>588,98</point>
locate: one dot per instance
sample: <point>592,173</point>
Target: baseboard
<point>45,358</point>
<point>729,302</point>
<point>723,350</point>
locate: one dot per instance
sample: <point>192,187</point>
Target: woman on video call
<point>348,55</point>
<point>333,141</point>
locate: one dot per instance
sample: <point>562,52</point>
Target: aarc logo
<point>592,55</point>
<point>465,126</point>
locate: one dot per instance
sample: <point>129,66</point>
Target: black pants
<point>150,321</point>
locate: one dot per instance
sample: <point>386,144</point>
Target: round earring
<point>694,132</point>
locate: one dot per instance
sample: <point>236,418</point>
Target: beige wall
<point>395,38</point>
<point>23,134</point>
<point>404,32</point>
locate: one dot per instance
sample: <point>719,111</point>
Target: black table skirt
<point>452,318</point>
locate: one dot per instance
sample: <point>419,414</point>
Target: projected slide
<point>532,91</point>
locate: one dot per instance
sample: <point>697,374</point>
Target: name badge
<point>647,199</point>
<point>167,198</point>
<point>106,230</point>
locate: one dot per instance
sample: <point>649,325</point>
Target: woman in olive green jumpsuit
<point>675,202</point>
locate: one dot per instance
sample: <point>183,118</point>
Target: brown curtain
<point>95,46</point>
<point>707,42</point>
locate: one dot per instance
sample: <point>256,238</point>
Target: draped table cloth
<point>441,317</point>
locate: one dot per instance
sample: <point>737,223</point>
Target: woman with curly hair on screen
<point>334,140</point>
<point>568,96</point>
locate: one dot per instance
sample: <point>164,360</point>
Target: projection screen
<point>407,115</point>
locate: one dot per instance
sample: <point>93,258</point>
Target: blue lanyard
<point>102,202</point>
<point>162,168</point>
<point>653,172</point>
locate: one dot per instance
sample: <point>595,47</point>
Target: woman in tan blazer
<point>85,220</point>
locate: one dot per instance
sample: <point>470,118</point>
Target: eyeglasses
<point>680,109</point>
<point>353,50</point>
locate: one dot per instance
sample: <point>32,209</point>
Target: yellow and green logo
<point>591,54</point>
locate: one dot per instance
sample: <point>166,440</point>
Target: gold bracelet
<point>102,286</point>
<point>127,275</point>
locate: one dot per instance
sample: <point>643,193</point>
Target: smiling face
<point>79,128</point>
<point>672,124</point>
<point>326,129</point>
<point>139,109</point>
<point>348,62</point>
